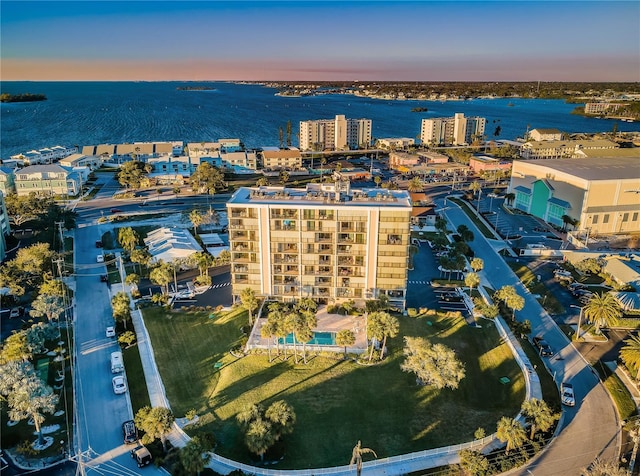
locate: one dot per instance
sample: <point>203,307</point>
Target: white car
<point>119,385</point>
<point>567,396</point>
<point>100,258</point>
<point>110,332</point>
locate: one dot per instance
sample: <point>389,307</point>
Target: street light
<point>579,319</point>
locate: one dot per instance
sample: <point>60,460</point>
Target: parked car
<point>561,272</point>
<point>142,456</point>
<point>119,385</point>
<point>98,244</point>
<point>110,332</point>
<point>104,278</point>
<point>581,292</point>
<point>15,312</point>
<point>575,286</point>
<point>130,432</point>
<point>543,347</point>
<point>116,210</point>
<point>450,297</point>
<point>100,258</point>
<point>568,397</point>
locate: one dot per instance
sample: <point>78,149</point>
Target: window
<point>605,218</point>
<point>625,217</point>
<point>595,220</point>
<point>634,217</point>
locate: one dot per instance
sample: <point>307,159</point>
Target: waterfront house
<point>559,149</point>
<point>275,158</point>
<point>80,160</point>
<point>545,134</point>
<point>51,179</point>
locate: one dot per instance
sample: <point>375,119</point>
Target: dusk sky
<point>331,40</point>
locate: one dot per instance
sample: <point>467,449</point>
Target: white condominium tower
<point>325,242</point>
<point>456,130</point>
<point>335,134</point>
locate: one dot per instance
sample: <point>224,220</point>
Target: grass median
<point>337,401</point>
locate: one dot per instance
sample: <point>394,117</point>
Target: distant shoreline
<point>25,97</point>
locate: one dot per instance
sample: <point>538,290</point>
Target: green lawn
<point>135,377</point>
<point>337,402</point>
<point>618,391</point>
<point>474,218</point>
<point>547,299</point>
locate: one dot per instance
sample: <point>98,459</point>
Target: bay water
<point>89,113</point>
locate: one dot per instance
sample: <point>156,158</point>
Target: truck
<point>117,364</point>
<point>142,456</point>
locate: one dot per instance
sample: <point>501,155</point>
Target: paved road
<point>99,412</point>
<point>590,429</point>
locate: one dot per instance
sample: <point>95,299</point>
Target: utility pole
<point>59,224</point>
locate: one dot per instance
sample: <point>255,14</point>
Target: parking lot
<point>420,292</point>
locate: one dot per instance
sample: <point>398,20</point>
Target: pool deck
<point>326,323</point>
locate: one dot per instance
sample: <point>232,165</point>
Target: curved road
<point>591,428</point>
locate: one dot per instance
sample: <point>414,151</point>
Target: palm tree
<point>566,220</point>
<point>356,456</point>
<point>259,437</point>
<point>345,338</point>
<point>390,328</point>
<point>508,295</point>
<point>32,399</point>
<point>191,456</point>
<point>415,185</point>
<point>196,218</point>
<point>267,331</point>
<point>630,353</point>
<point>156,422</point>
<point>262,181</point>
<point>509,197</point>
<point>477,264</point>
<point>249,302</point>
<point>283,177</point>
<point>472,280</point>
<point>378,180</point>
<point>128,239</point>
<point>538,414</point>
<point>475,187</point>
<point>140,256</point>
<point>282,417</point>
<point>603,310</point>
<point>510,431</point>
<point>162,275</point>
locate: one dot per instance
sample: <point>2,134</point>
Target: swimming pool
<point>319,338</point>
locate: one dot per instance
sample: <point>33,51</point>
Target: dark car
<point>582,293</point>
<point>116,210</point>
<point>450,297</point>
<point>141,455</point>
<point>104,278</point>
<point>98,244</point>
<point>543,347</point>
<point>130,432</point>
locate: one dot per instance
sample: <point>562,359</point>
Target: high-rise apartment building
<point>335,134</point>
<point>456,130</point>
<point>325,242</point>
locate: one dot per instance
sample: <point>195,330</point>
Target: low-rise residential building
<point>603,196</point>
<point>392,143</point>
<point>559,149</point>
<point>403,161</point>
<point>7,181</point>
<point>484,163</point>
<point>275,158</point>
<point>602,107</point>
<point>545,134</point>
<point>52,179</point>
<point>80,160</point>
<point>47,155</point>
<point>171,244</point>
<point>335,134</point>
<point>118,153</point>
<point>326,242</point>
<point>456,130</point>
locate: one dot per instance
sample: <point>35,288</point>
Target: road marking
<point>419,282</point>
<point>221,285</point>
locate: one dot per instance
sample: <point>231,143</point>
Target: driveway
<point>593,402</point>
